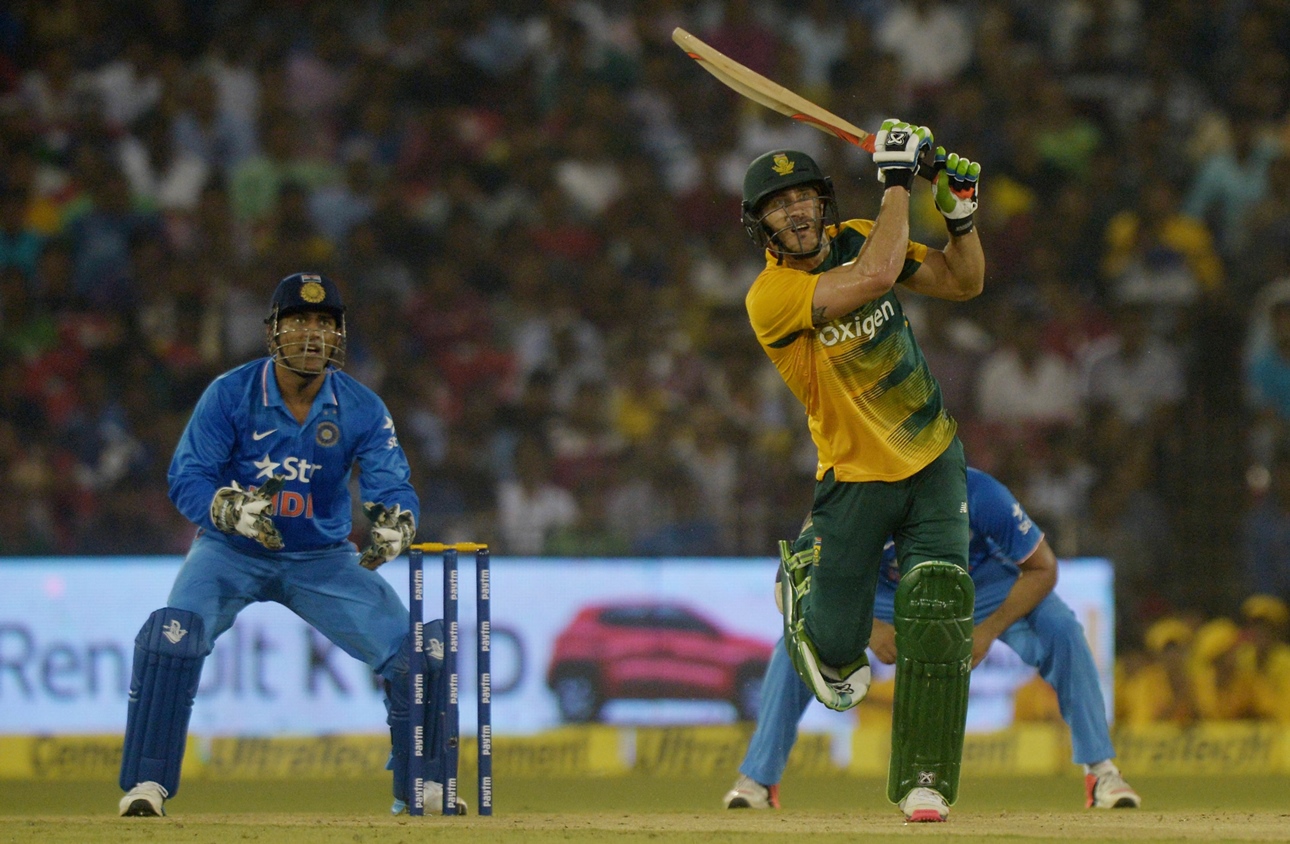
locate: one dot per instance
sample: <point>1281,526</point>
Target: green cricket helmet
<point>773,172</point>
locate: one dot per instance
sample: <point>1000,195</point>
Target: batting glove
<point>392,531</point>
<point>241,511</point>
<point>955,189</point>
<point>897,149</point>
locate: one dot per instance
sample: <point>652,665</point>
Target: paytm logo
<point>856,327</point>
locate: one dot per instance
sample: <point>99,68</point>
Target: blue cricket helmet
<point>306,292</point>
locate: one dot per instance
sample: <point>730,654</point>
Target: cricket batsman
<point>825,311</point>
<point>1014,571</point>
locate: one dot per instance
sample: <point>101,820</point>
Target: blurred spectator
<point>1267,373</point>
<point>1059,491</point>
<point>220,137</point>
<point>1223,687</point>
<point>591,534</point>
<point>1156,255</point>
<point>1265,652</point>
<point>131,83</point>
<point>1159,689</point>
<point>1266,534</point>
<point>102,239</point>
<point>1134,384</point>
<point>256,183</point>
<point>1231,179</point>
<point>742,36</point>
<point>932,39</point>
<point>20,245</point>
<point>288,236</point>
<point>1268,236</point>
<point>336,208</point>
<point>689,529</point>
<point>531,507</point>
<point>163,176</point>
<point>584,441</point>
<point>1022,387</point>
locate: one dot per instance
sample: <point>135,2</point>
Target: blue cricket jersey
<point>1002,534</point>
<point>241,430</point>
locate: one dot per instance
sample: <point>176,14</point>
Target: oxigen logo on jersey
<point>855,326</point>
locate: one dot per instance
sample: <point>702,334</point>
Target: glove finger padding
<point>241,511</point>
<point>392,530</point>
<point>956,188</point>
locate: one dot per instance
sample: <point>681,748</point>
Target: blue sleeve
<point>385,476</point>
<point>996,513</point>
<point>201,459</point>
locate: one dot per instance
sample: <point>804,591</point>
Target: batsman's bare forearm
<point>874,271</point>
<point>1038,578</point>
<point>965,262</point>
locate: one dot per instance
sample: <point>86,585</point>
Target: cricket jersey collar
<point>271,394</point>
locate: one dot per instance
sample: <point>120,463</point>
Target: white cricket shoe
<point>924,805</point>
<point>145,800</point>
<point>433,801</point>
<point>750,794</point>
<point>1110,791</point>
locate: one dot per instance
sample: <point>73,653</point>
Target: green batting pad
<point>933,664</point>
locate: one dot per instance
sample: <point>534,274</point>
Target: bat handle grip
<point>927,165</point>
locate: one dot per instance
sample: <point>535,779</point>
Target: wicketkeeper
<point>263,470</point>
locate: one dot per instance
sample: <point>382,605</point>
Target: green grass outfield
<point>649,809</point>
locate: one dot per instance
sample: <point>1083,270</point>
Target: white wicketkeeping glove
<point>241,511</point>
<point>392,530</point>
<point>897,149</point>
<point>955,189</point>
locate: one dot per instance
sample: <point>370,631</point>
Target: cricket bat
<point>759,89</point>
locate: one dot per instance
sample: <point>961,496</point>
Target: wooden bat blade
<point>759,89</point>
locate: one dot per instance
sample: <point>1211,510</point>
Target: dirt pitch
<point>747,828</point>
<point>649,809</point>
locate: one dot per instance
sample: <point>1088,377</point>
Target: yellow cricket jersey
<point>874,409</point>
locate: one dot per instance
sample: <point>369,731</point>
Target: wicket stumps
<point>419,693</point>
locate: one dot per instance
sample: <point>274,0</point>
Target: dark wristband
<point>899,177</point>
<point>961,226</point>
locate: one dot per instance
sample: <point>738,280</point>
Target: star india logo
<point>927,778</point>
<point>436,649</point>
<point>174,632</point>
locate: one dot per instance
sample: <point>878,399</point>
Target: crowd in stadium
<point>533,211</point>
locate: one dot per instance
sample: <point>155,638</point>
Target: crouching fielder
<point>262,469</point>
<point>1014,572</point>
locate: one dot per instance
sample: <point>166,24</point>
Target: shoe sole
<point>1125,803</point>
<point>926,816</point>
<point>738,803</point>
<point>140,809</point>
